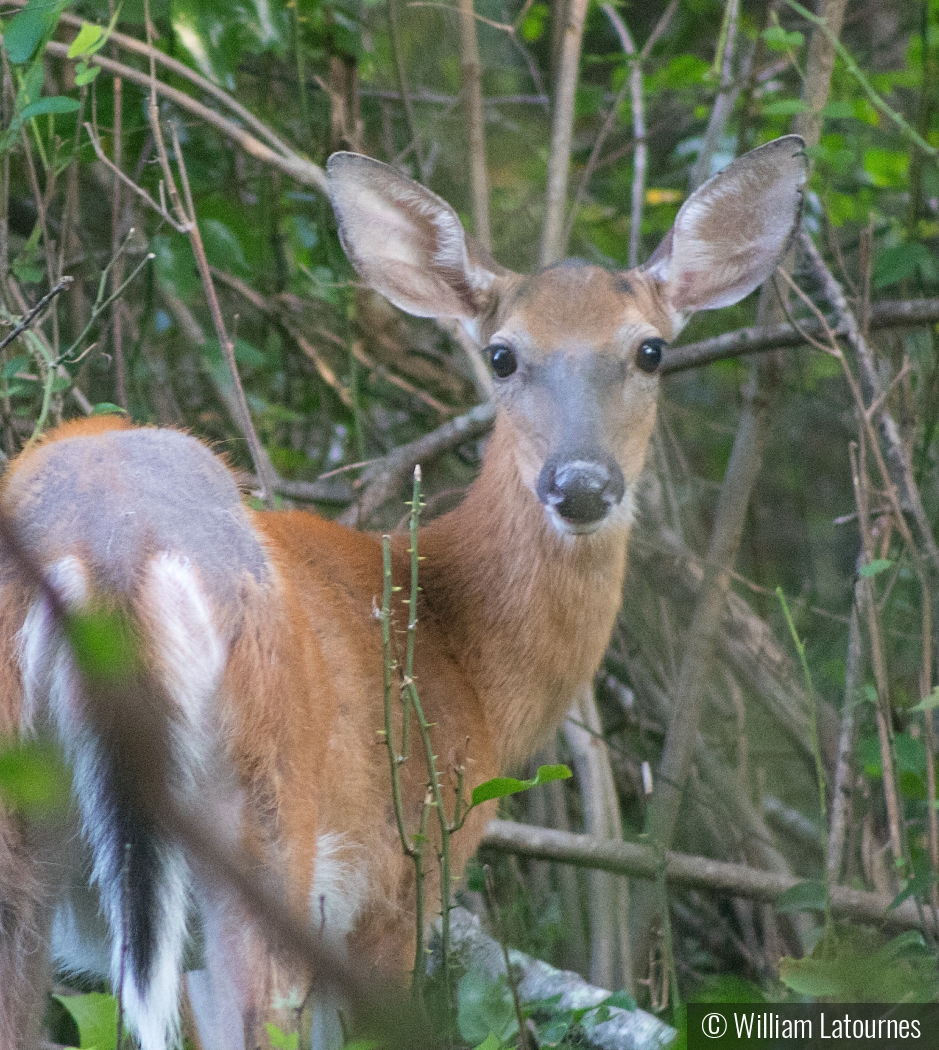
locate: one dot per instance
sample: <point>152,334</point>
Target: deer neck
<point>529,611</point>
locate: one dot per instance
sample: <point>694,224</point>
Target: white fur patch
<point>339,890</point>
<point>44,656</point>
<point>190,658</point>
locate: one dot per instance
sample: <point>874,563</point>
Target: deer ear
<point>729,234</point>
<point>407,242</point>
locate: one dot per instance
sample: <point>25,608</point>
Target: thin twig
<point>31,316</point>
<point>304,171</point>
<point>878,656</point>
<point>898,455</point>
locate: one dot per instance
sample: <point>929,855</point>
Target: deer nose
<point>581,491</point>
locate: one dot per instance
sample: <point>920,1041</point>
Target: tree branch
<point>640,861</point>
<point>562,129</point>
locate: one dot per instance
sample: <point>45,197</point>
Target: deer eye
<point>649,355</point>
<point>502,359</point>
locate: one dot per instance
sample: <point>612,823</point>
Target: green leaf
<point>502,787</point>
<point>84,44</point>
<point>804,896</point>
<point>25,30</point>
<point>33,776</point>
<point>620,1000</point>
<point>875,567</point>
<point>14,365</point>
<point>84,74</point>
<point>534,23</point>
<point>491,1042</point>
<point>901,261</point>
<point>53,104</point>
<point>96,1017</point>
<point>484,1008</point>
<point>778,39</point>
<point>838,111</point>
<point>928,703</point>
<point>815,977</point>
<point>918,886</point>
<point>105,408</point>
<point>279,1041</point>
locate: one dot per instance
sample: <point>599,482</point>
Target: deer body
<point>262,630</point>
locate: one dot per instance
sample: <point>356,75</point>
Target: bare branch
<point>304,171</point>
<point>640,861</point>
<point>476,129</point>
<point>382,480</point>
<point>888,314</point>
<point>562,129</point>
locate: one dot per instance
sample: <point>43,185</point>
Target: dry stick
<point>473,108</point>
<point>160,209</point>
<point>926,677</point>
<point>42,207</point>
<point>898,456</point>
<point>639,860</point>
<point>843,788</point>
<point>633,84</point>
<point>562,129</point>
<point>382,480</point>
<point>761,338</point>
<point>610,962</point>
<point>878,661</point>
<point>304,171</point>
<point>83,403</point>
<point>259,457</point>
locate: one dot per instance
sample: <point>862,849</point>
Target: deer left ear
<point>730,233</point>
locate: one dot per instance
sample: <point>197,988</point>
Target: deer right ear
<point>729,234</point>
<point>407,242</point>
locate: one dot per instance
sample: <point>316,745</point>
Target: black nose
<point>581,490</point>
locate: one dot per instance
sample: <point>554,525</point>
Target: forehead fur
<point>577,305</point>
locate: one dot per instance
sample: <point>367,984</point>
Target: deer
<point>260,626</point>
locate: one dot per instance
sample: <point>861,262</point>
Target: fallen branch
<point>640,861</point>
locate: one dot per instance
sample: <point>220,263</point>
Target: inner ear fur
<point>406,242</point>
<point>730,233</point>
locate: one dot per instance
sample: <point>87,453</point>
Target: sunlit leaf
<point>84,42</point>
<point>96,1017</point>
<point>929,702</point>
<point>502,787</point>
